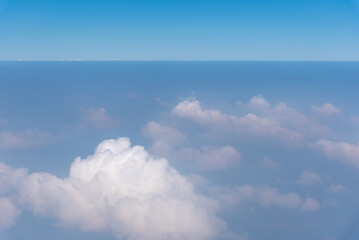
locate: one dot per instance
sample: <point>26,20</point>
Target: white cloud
<point>308,178</point>
<point>329,201</point>
<point>164,138</point>
<point>336,188</point>
<point>269,163</point>
<point>263,195</point>
<point>326,109</point>
<point>259,102</point>
<point>167,142</point>
<point>167,134</point>
<point>269,197</point>
<point>310,205</point>
<point>343,151</point>
<point>210,158</point>
<point>28,139</point>
<point>124,190</point>
<point>8,213</point>
<point>249,124</point>
<point>191,108</point>
<point>99,118</point>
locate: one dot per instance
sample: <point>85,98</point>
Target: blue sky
<point>179,30</point>
<point>254,150</point>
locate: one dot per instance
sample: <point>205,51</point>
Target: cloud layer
<point>120,189</point>
<point>280,122</point>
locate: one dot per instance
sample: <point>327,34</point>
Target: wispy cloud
<point>337,188</point>
<point>28,139</point>
<point>308,178</point>
<point>98,118</point>
<point>326,109</point>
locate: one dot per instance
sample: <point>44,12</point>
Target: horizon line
<point>166,60</point>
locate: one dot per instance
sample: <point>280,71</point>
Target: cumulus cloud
<point>310,205</point>
<point>191,108</point>
<point>309,177</point>
<point>259,102</point>
<point>342,151</point>
<point>168,141</point>
<point>122,189</point>
<point>8,213</point>
<point>28,139</point>
<point>336,188</point>
<point>326,109</point>
<point>249,124</point>
<point>99,118</point>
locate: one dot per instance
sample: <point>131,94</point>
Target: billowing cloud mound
<point>122,189</point>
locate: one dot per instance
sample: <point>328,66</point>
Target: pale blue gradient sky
<point>179,30</point>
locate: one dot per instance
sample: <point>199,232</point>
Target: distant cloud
<point>265,196</point>
<point>28,139</point>
<point>336,188</point>
<point>130,95</point>
<point>269,163</point>
<point>342,151</point>
<point>310,205</point>
<point>259,102</point>
<point>164,138</point>
<point>122,189</point>
<point>163,103</point>
<point>99,118</point>
<point>191,108</point>
<point>9,213</point>
<point>211,158</point>
<point>308,178</point>
<point>249,124</point>
<point>168,134</point>
<point>326,109</point>
<point>168,142</point>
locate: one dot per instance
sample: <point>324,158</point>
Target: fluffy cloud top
<point>259,102</point>
<point>307,178</point>
<point>343,151</point>
<point>124,190</point>
<point>191,108</point>
<point>326,109</point>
